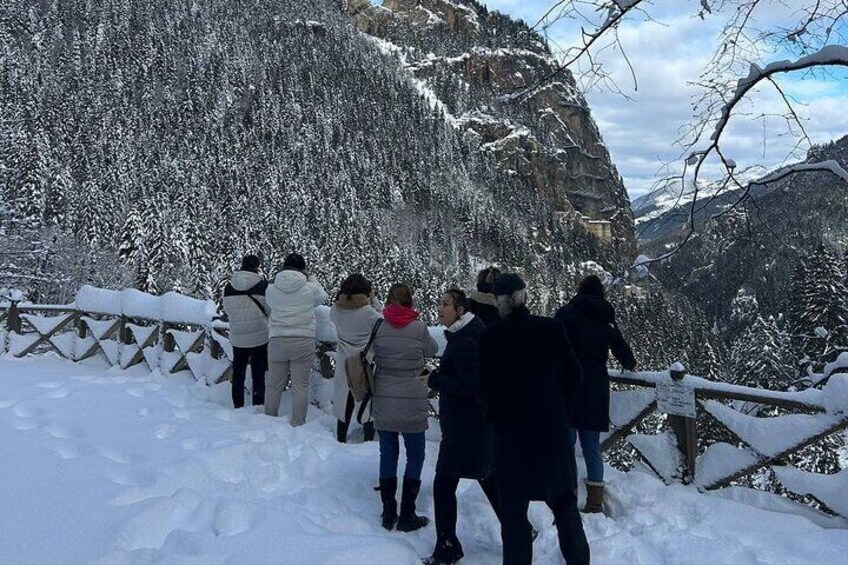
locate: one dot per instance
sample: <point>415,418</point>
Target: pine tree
<point>761,357</point>
<point>819,306</point>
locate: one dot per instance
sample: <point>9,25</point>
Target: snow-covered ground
<point>106,466</point>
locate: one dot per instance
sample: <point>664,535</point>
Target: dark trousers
<point>257,357</point>
<point>444,501</point>
<point>515,529</point>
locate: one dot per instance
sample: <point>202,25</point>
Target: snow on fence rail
<point>172,333</point>
<point>806,418</point>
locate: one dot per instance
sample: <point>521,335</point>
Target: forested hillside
<point>152,143</point>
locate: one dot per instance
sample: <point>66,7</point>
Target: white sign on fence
<point>676,398</point>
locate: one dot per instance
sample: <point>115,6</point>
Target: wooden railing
<point>677,453</point>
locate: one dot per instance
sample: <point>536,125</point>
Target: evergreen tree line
<point>172,138</point>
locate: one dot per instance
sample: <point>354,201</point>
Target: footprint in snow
<point>129,477</point>
<point>59,394</point>
<point>25,411</point>
<point>61,432</point>
<point>24,424</point>
<point>164,431</point>
<point>117,456</point>
<point>68,448</point>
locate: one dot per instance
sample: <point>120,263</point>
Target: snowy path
<point>104,466</point>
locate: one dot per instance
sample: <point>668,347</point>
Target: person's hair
<point>592,286</point>
<point>400,294</point>
<point>486,277</point>
<point>458,298</point>
<point>355,284</point>
<point>508,303</point>
<point>250,263</point>
<point>295,261</point>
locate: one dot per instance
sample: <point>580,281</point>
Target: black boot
<point>408,521</point>
<point>368,429</point>
<point>341,431</point>
<point>388,490</point>
<point>447,552</point>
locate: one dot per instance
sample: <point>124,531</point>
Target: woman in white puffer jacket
<point>292,299</point>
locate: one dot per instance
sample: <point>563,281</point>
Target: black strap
<point>258,305</point>
<point>367,399</point>
<point>362,406</point>
<point>373,335</point>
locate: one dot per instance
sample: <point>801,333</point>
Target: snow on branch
<point>825,166</point>
<point>828,56</point>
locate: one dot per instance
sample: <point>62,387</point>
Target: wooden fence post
<point>169,344</point>
<point>13,319</point>
<point>124,333</point>
<point>82,327</point>
<point>685,431</point>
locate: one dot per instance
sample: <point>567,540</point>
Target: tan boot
<point>594,498</point>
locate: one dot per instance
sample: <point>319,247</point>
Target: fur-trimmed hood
<point>352,301</point>
<point>483,298</point>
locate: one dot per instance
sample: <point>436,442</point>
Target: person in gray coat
<point>291,349</point>
<point>400,405</point>
<point>354,314</point>
<point>247,311</point>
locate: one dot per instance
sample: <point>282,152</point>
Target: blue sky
<point>641,131</point>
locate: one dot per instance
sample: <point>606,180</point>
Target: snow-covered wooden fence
<point>676,454</point>
<point>172,333</point>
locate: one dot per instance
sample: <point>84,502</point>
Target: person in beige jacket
<point>292,299</point>
<point>354,314</point>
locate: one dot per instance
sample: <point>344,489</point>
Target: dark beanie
<point>250,263</point>
<point>295,261</point>
<point>592,286</point>
<point>507,283</point>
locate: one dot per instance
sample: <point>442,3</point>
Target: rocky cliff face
<point>471,63</point>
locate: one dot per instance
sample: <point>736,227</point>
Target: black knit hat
<point>250,263</point>
<point>592,286</point>
<point>295,261</point>
<point>507,283</point>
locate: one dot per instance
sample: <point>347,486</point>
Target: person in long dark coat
<point>589,321</point>
<point>465,450</point>
<point>482,302</point>
<point>528,373</point>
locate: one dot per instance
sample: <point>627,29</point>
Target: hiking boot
<point>594,497</point>
<point>447,552</point>
<point>408,521</point>
<point>388,490</point>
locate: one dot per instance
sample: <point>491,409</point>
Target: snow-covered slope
<point>103,466</point>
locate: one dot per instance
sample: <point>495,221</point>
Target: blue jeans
<point>590,445</point>
<point>390,452</point>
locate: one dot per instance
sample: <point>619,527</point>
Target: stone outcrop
<point>492,75</point>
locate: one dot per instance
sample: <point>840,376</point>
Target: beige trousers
<point>289,359</point>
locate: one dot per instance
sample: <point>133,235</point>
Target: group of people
<point>515,391</point>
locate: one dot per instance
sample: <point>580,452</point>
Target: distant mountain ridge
<point>756,246</point>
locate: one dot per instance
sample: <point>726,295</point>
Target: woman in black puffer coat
<point>590,324</point>
<point>465,451</point>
